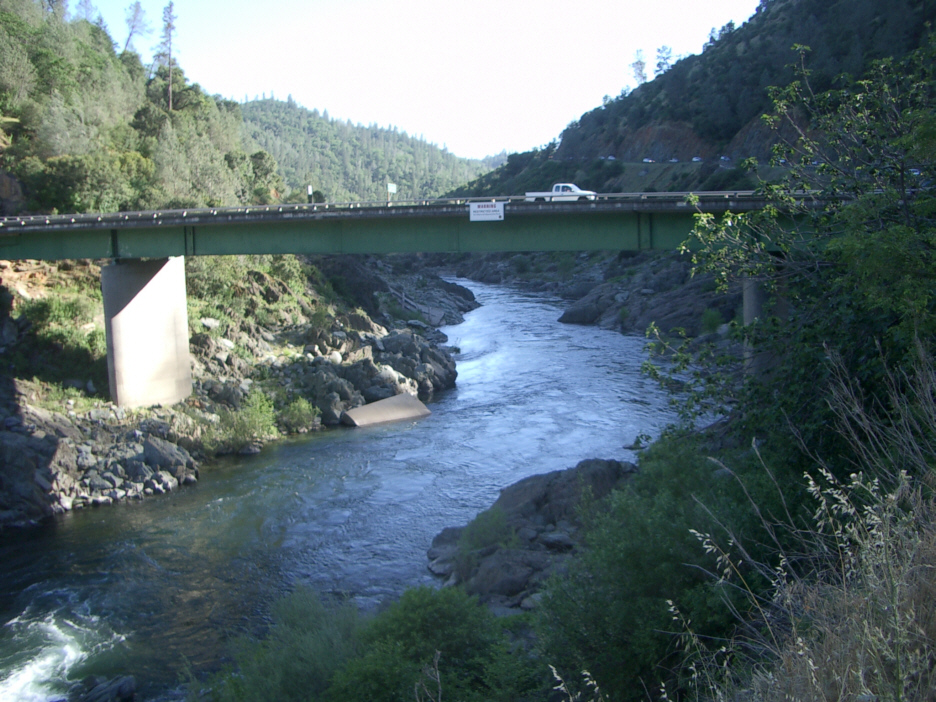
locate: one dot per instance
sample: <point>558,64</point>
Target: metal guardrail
<point>206,215</point>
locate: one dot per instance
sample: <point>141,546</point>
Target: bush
<point>609,614</point>
<point>255,420</point>
<point>59,310</point>
<point>307,643</point>
<point>298,416</point>
<point>851,613</point>
<point>711,321</point>
<point>475,661</point>
<point>60,346</point>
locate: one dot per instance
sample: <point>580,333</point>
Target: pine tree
<point>164,57</point>
<point>639,66</point>
<point>136,24</point>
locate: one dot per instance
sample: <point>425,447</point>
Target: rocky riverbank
<point>59,455</point>
<point>530,531</point>
<point>621,291</point>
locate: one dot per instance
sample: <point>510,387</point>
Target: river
<point>154,587</point>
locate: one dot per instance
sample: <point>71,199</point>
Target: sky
<point>475,77</point>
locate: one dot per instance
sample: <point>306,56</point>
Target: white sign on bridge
<point>486,211</point>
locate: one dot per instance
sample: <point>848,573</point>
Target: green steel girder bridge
<point>145,311</point>
<point>617,221</point>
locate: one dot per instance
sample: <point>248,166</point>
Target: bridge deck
<point>618,221</point>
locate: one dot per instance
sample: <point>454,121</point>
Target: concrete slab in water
<point>393,409</point>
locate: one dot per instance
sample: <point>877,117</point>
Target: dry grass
<point>858,621</point>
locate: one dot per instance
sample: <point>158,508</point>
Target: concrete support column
<point>754,296</point>
<point>146,321</point>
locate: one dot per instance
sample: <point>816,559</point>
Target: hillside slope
<point>84,128</point>
<point>709,105</point>
<point>352,162</point>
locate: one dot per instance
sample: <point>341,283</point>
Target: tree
<point>56,7</point>
<point>850,237</point>
<point>639,67</point>
<point>86,10</point>
<point>137,26</point>
<point>664,59</point>
<point>164,57</point>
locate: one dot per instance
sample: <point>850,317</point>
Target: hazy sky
<point>476,77</point>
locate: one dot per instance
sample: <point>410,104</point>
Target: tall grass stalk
<point>852,614</point>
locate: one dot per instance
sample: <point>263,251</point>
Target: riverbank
<point>622,291</point>
<point>506,553</point>
<point>64,447</point>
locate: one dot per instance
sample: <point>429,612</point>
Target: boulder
<point>164,455</point>
<point>504,572</point>
<point>100,689</point>
<point>582,312</point>
<point>541,512</point>
<point>546,499</point>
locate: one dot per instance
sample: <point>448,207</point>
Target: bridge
<point>617,221</point>
<point>143,289</point>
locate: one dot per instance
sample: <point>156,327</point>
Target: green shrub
<point>475,660</point>
<point>609,614</point>
<point>254,420</point>
<point>291,271</point>
<point>60,347</point>
<point>298,415</point>
<point>59,310</point>
<point>320,318</point>
<point>711,320</point>
<point>307,643</point>
<point>852,613</point>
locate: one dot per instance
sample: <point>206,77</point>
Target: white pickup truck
<point>561,192</point>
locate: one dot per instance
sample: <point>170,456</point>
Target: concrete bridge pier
<point>146,322</point>
<point>755,298</point>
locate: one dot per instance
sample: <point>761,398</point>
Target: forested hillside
<point>353,162</point>
<point>85,128</point>
<point>709,105</point>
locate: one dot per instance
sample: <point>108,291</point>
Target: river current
<point>156,587</point>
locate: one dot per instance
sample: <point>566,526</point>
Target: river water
<point>153,587</point>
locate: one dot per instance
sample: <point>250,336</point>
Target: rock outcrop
<point>54,463</point>
<point>541,529</point>
<point>645,289</point>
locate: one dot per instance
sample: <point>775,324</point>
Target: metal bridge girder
<point>610,224</point>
